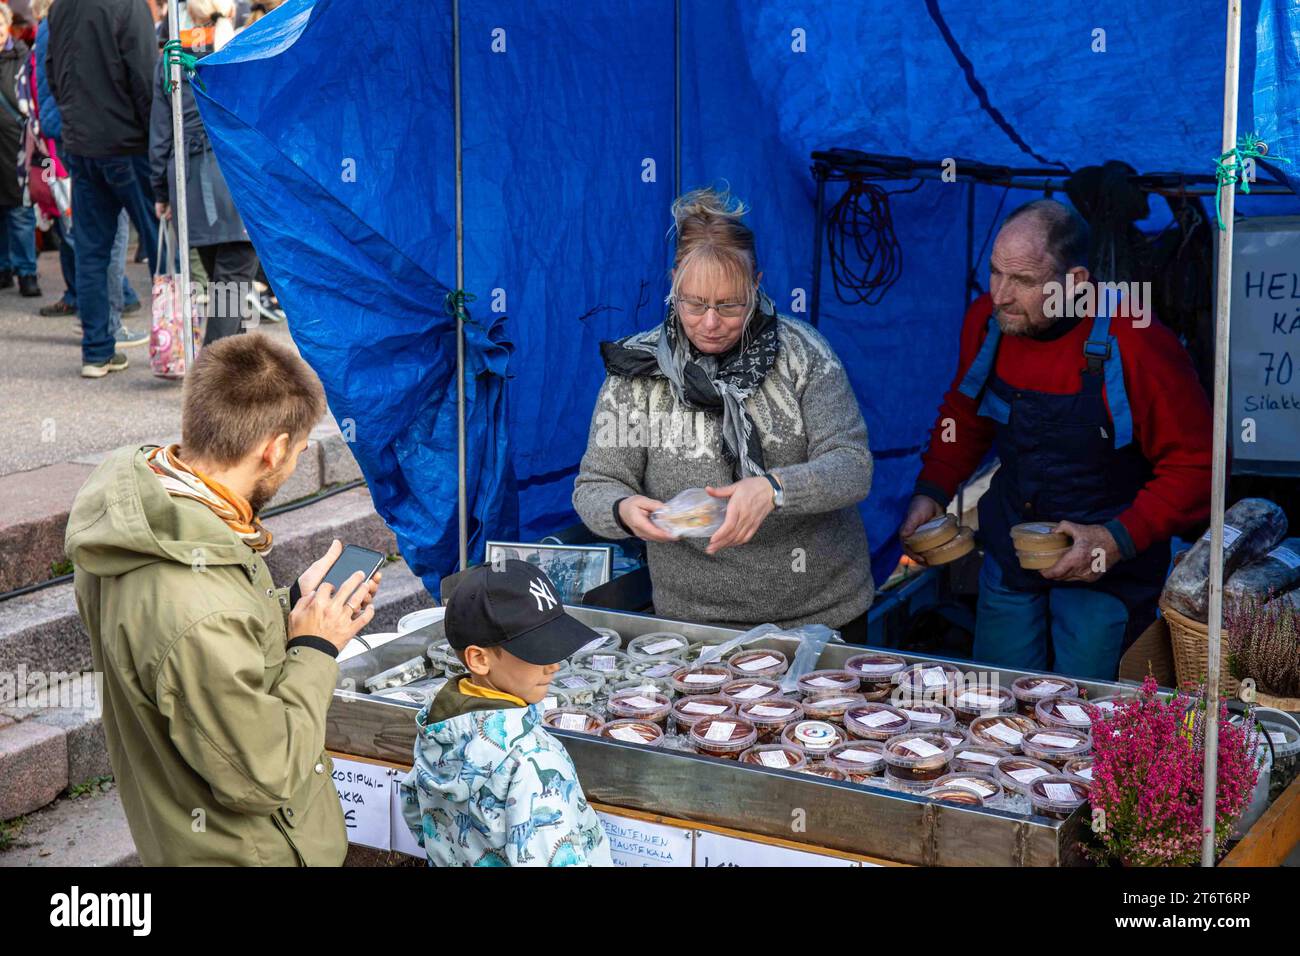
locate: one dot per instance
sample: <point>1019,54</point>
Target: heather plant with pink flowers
<point>1147,774</point>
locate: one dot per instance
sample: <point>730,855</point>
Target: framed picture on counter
<point>574,568</point>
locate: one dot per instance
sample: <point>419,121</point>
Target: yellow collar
<point>470,689</point>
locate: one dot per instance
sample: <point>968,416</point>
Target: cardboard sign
<point>365,790</point>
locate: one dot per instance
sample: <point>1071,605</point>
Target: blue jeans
<point>68,265</point>
<point>1084,628</point>
<point>101,189</point>
<point>18,252</point>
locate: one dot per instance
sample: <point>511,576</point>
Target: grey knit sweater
<point>808,563</point>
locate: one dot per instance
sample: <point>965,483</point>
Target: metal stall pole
<point>462,511</point>
<point>1218,475</point>
<point>814,306</point>
<point>181,212</point>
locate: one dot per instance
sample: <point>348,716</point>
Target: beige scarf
<point>181,481</point>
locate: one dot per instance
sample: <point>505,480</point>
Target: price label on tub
<point>701,679</point>
<point>1004,733</point>
<point>626,734</point>
<point>1286,556</point>
<point>1060,791</point>
<point>641,703</point>
<point>574,722</point>
<point>924,716</point>
<point>1029,774</point>
<point>762,710</point>
<point>858,756</point>
<point>977,757</point>
<point>1085,773</point>
<point>777,759</point>
<point>979,786</point>
<point>1052,740</point>
<point>823,703</point>
<point>720,730</point>
<point>1073,713</point>
<point>574,683</point>
<point>658,647</point>
<point>878,719</point>
<point>550,703</point>
<point>933,677</point>
<point>971,699</point>
<point>1045,688</point>
<point>633,843</point>
<point>922,748</point>
<point>758,664</point>
<point>876,668</point>
<point>603,662</point>
<point>1276,737</point>
<point>694,708</point>
<point>365,791</point>
<point>752,691</point>
<point>823,682</point>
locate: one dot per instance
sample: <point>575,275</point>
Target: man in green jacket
<point>216,683</point>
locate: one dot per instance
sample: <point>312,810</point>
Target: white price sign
<point>365,790</point>
<point>713,849</point>
<point>633,843</point>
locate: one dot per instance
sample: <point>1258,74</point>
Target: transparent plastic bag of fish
<point>1251,528</point>
<point>693,513</point>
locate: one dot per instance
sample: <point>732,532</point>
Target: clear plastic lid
<point>1016,773</point>
<point>1106,706</point>
<point>916,750</point>
<point>1069,712</point>
<point>645,703</point>
<point>775,756</point>
<point>1057,795</point>
<point>664,687</point>
<point>1034,687</point>
<point>821,770</point>
<point>603,660</point>
<point>655,670</point>
<point>1284,737</point>
<point>926,715</point>
<point>1001,731</point>
<point>436,649</point>
<point>973,757</point>
<point>962,796</point>
<point>403,673</point>
<point>572,718</point>
<point>970,702</point>
<point>758,663</point>
<point>931,679</point>
<point>579,680</point>
<point>817,682</point>
<point>687,710</point>
<point>1056,745</point>
<point>421,618</point>
<point>830,705</point>
<point>875,721</point>
<point>858,758</point>
<point>981,782</point>
<point>726,734</point>
<point>745,689</point>
<point>701,679</point>
<point>658,646</point>
<point>875,668</point>
<point>816,737</point>
<point>1038,536</point>
<point>1080,767</point>
<point>771,713</point>
<point>633,732</point>
<point>607,638</point>
<point>933,533</point>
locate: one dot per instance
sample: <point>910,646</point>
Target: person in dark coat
<point>100,67</point>
<point>215,228</point>
<point>18,225</point>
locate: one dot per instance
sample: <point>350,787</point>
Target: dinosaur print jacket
<point>490,787</point>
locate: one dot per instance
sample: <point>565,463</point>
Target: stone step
<point>89,830</point>
<point>34,504</point>
<point>41,631</point>
<point>51,739</point>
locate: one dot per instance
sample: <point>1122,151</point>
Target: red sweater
<point>1171,416</point>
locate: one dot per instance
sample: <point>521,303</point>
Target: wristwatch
<point>778,493</point>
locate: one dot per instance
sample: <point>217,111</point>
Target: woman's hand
<point>749,502</point>
<point>163,210</point>
<point>635,512</point>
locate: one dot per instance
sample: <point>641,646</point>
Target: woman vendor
<point>754,407</point>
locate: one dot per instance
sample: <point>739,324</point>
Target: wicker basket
<point>1191,645</point>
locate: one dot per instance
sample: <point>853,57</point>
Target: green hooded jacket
<point>216,730</point>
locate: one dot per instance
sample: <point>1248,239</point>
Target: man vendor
<point>1103,431</point>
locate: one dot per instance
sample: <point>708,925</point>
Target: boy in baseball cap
<point>490,787</point>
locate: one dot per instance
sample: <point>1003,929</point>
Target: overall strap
<point>1101,352</point>
<point>977,375</point>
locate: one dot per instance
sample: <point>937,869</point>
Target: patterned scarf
<point>181,481</point>
<point>711,382</point>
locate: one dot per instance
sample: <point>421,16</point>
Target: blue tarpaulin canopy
<point>333,125</point>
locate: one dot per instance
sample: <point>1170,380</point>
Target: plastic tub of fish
<point>929,681</point>
<point>927,715</point>
<point>775,756</point>
<point>770,716</point>
<point>745,689</point>
<point>689,710</point>
<point>1057,795</point>
<point>830,706</point>
<point>640,703</point>
<point>875,720</point>
<point>859,760</point>
<point>658,646</point>
<point>406,672</point>
<point>758,663</point>
<point>876,673</point>
<point>816,737</point>
<point>701,679</point>
<point>972,702</point>
<point>818,682</point>
<point>981,782</point>
<point>1032,688</point>
<point>725,737</point>
<point>1056,745</point>
<point>582,686</point>
<point>633,732</point>
<point>915,760</point>
<point>604,660</point>
<point>961,796</point>
<point>1001,731</point>
<point>572,718</point>
<point>1065,712</point>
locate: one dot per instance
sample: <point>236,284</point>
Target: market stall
<point>658,798</point>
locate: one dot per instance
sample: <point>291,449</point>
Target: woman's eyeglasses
<point>696,308</point>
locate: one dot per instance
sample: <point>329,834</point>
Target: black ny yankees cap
<point>513,605</point>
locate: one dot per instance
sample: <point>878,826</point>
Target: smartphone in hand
<point>352,560</point>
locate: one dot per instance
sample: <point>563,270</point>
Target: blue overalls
<point>1064,458</point>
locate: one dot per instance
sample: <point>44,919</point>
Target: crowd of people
<point>86,135</point>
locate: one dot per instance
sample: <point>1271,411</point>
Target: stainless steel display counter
<point>875,822</point>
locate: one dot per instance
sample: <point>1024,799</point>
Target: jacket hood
<point>124,519</point>
<point>467,748</point>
